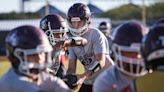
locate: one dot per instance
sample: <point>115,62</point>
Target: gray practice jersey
<point>97,43</point>
<point>12,82</point>
<point>112,80</point>
<point>57,67</point>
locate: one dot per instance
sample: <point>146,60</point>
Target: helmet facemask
<point>81,30</point>
<point>128,64</point>
<point>31,68</point>
<point>56,35</point>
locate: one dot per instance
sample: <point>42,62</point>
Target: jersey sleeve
<point>100,43</point>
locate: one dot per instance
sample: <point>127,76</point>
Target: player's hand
<point>81,79</point>
<point>71,80</point>
<point>75,41</point>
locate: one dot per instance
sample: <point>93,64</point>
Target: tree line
<point>124,12</point>
<point>131,11</point>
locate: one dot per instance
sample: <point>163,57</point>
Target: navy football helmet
<point>55,28</point>
<point>78,12</point>
<point>126,48</point>
<point>24,41</point>
<point>160,21</point>
<point>153,48</point>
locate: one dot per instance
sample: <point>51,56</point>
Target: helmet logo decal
<point>43,23</point>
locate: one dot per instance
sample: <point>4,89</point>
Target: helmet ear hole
<point>89,22</point>
<point>48,33</point>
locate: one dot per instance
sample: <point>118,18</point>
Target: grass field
<point>4,65</point>
<point>150,83</point>
<point>153,82</point>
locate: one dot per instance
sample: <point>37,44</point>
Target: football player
<point>29,52</point>
<point>153,54</point>
<point>127,58</point>
<point>105,27</point>
<point>55,28</point>
<point>153,48</point>
<point>94,56</point>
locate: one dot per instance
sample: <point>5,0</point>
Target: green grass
<point>79,70</point>
<point>153,82</point>
<point>4,65</point>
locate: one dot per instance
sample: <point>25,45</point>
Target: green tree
<point>155,11</point>
<point>129,11</point>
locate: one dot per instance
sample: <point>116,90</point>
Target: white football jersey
<point>97,43</point>
<point>112,80</point>
<point>13,82</point>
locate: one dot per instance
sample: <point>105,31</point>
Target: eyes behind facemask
<point>25,66</point>
<point>81,30</point>
<point>132,66</point>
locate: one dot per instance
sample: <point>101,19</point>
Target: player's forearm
<point>70,71</point>
<point>71,67</point>
<point>101,58</point>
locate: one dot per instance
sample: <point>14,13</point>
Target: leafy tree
<point>155,11</point>
<point>129,11</point>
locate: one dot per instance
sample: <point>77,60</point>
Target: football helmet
<point>126,48</point>
<point>152,48</point>
<point>24,41</point>
<point>161,20</point>
<point>76,13</point>
<point>55,28</point>
<point>105,27</point>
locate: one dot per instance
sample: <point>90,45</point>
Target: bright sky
<point>8,5</point>
<point>63,5</point>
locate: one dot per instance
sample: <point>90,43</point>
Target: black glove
<point>71,80</point>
